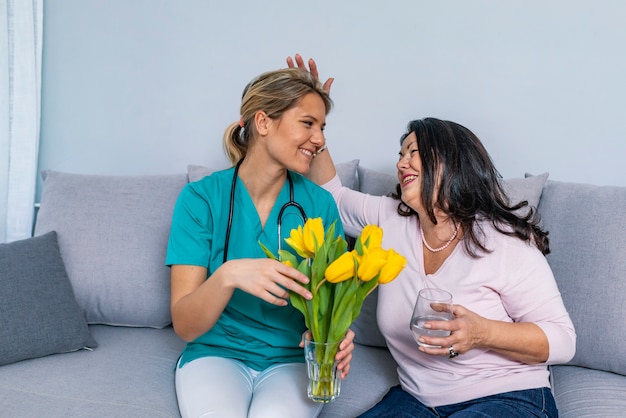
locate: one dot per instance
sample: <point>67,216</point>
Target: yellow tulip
<point>306,241</point>
<point>394,265</point>
<point>375,235</point>
<point>372,260</point>
<point>296,241</point>
<point>341,269</point>
<point>313,234</point>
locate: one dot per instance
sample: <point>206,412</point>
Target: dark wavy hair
<point>470,187</point>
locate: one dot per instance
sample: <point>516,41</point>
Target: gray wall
<point>148,86</point>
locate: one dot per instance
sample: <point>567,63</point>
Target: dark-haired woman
<point>454,224</point>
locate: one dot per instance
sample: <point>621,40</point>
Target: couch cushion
<point>581,392</point>
<point>381,184</point>
<point>131,374</point>
<point>38,312</point>
<point>588,259</point>
<point>112,233</point>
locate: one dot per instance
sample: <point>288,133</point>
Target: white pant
<point>226,388</point>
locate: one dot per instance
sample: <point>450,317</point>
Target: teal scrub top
<point>250,330</point>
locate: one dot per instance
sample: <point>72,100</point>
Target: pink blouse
<point>513,283</point>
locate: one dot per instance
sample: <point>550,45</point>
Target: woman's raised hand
<point>299,62</point>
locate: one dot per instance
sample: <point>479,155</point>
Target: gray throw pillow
<point>38,311</point>
<point>112,233</point>
<point>347,173</point>
<point>528,188</point>
<point>378,183</point>
<point>197,172</point>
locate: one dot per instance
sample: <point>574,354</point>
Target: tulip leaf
<point>288,256</point>
<point>323,295</point>
<point>304,267</point>
<point>343,308</point>
<point>364,290</point>
<point>299,303</point>
<point>337,248</point>
<point>318,266</point>
<point>268,253</point>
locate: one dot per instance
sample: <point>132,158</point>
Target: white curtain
<point>21,36</point>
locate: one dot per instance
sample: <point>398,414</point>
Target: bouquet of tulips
<point>340,280</point>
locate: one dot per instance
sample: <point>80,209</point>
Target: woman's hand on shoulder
<point>298,62</point>
<point>266,279</point>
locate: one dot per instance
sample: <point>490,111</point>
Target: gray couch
<point>110,238</point>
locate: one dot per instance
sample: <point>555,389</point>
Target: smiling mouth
<point>306,152</point>
<point>406,180</point>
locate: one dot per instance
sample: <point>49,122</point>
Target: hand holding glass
<point>431,305</point>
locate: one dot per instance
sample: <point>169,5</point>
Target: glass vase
<point>324,381</point>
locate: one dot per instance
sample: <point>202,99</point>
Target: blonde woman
<point>229,302</point>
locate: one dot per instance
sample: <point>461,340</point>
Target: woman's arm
<point>540,330</point>
<point>198,302</point>
<point>322,168</point>
<point>523,341</point>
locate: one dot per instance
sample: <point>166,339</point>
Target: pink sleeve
<point>533,296</point>
<point>358,209</point>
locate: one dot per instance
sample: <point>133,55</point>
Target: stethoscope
<point>231,208</point>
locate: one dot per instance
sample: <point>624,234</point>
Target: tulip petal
<point>341,269</point>
<point>393,267</point>
<point>372,236</point>
<point>371,263</point>
<point>296,241</point>
<point>313,234</point>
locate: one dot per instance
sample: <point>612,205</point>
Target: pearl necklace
<point>444,246</point>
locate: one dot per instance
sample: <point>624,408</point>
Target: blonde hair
<point>273,92</point>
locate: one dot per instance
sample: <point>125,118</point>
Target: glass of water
<point>431,305</point>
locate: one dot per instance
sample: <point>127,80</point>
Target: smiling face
<point>293,139</point>
<point>410,173</point>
